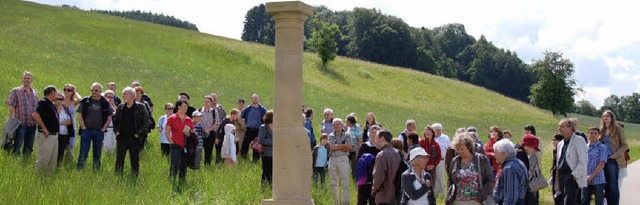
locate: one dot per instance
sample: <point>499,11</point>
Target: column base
<point>287,202</point>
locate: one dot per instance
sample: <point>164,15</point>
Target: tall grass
<point>62,46</point>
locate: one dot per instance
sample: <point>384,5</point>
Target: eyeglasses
<point>169,108</point>
<point>95,90</point>
<point>110,97</point>
<point>60,99</point>
<point>68,90</point>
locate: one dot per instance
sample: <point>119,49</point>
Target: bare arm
<point>167,133</point>
<point>81,121</point>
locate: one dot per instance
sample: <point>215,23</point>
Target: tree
<point>630,108</point>
<point>323,40</point>
<point>584,107</point>
<point>554,91</point>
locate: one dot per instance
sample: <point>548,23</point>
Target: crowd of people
<point>412,168</point>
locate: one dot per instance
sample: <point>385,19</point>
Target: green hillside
<point>62,46</point>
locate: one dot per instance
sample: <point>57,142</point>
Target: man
<point>46,116</point>
<point>22,103</point>
<point>571,163</point>
<point>131,121</point>
<point>339,167</point>
<point>308,117</point>
<point>220,114</point>
<point>94,117</point>
<point>385,168</point>
<point>413,141</point>
<point>511,185</point>
<point>184,97</point>
<point>252,115</point>
<point>327,123</point>
<point>410,127</point>
<point>145,97</point>
<point>444,142</point>
<point>112,86</point>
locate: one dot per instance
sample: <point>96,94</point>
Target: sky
<point>601,38</point>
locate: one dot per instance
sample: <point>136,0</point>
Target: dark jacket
<point>141,118</point>
<point>315,153</point>
<point>486,178</point>
<point>265,137</point>
<point>410,192</point>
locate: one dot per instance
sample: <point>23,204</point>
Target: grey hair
<point>328,110</point>
<point>96,84</point>
<point>108,92</point>
<point>505,146</point>
<point>569,122</point>
<point>437,126</point>
<point>474,136</point>
<point>130,90</point>
<point>410,121</point>
<point>337,120</point>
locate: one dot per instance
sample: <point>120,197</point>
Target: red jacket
<point>488,150</point>
<point>433,149</point>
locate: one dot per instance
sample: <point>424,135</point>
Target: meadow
<point>61,45</point>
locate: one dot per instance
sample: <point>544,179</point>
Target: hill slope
<point>61,46</point>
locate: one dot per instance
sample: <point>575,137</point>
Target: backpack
<point>401,169</point>
<point>191,146</point>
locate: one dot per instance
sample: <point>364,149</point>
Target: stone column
<point>291,152</point>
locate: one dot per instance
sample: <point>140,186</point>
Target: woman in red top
<point>177,128</point>
<point>429,144</point>
<point>495,134</point>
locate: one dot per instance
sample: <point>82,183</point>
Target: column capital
<point>289,7</point>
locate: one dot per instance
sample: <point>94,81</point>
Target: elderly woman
<point>109,142</point>
<point>616,144</point>
<point>416,182</point>
<point>265,137</point>
<point>471,175</point>
<point>511,184</point>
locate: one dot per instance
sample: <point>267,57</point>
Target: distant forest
<point>151,17</point>
<point>447,50</point>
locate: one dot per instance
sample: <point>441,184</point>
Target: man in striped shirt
<point>22,103</point>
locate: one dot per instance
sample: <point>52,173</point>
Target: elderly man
<point>410,127</point>
<point>94,117</point>
<point>339,169</point>
<point>220,114</point>
<point>46,116</point>
<point>253,115</point>
<point>22,103</point>
<point>444,142</point>
<point>511,185</point>
<point>327,123</point>
<point>571,162</point>
<point>131,121</point>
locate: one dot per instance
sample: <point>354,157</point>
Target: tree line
<point>626,107</point>
<point>151,17</point>
<point>370,35</point>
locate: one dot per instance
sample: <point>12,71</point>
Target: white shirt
<point>63,116</point>
<point>444,142</point>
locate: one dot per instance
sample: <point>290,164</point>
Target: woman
<point>165,147</point>
<point>511,182</point>
<point>223,135</point>
<point>241,128</point>
<point>66,126</point>
<point>370,121</point>
<point>429,143</point>
<point>141,99</point>
<point>495,134</point>
<point>368,147</point>
<point>416,182</point>
<point>71,101</point>
<point>265,137</point>
<point>209,131</point>
<point>531,146</point>
<point>506,134</point>
<point>471,175</point>
<point>552,180</point>
<point>109,142</point>
<point>179,126</point>
<point>356,139</point>
<point>616,143</point>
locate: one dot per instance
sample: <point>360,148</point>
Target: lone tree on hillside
<point>554,91</point>
<point>323,40</point>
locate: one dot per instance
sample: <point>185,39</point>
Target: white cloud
<point>595,95</point>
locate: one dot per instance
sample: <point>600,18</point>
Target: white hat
<point>196,113</point>
<point>418,151</point>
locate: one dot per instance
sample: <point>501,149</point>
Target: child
<point>320,159</point>
<point>597,158</point>
<point>198,129</point>
<point>164,142</point>
<point>228,145</point>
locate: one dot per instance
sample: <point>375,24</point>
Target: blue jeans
<point>178,163</point>
<point>611,172</point>
<point>597,189</point>
<point>24,137</point>
<point>88,135</point>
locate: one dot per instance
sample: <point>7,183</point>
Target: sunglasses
<point>95,90</point>
<point>68,90</point>
<point>169,108</point>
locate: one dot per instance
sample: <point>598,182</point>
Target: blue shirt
<point>312,136</point>
<point>162,125</point>
<point>607,143</point>
<point>321,158</point>
<point>356,133</point>
<point>198,130</point>
<point>596,155</point>
<point>327,127</point>
<point>511,185</point>
<point>253,115</point>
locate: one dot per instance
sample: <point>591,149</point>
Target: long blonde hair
<point>614,127</point>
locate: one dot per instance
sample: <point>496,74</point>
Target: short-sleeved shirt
<point>24,104</point>
<point>467,182</point>
<point>356,133</point>
<point>444,142</point>
<point>208,118</point>
<point>94,118</point>
<point>327,127</point>
<point>49,115</point>
<point>344,138</point>
<point>177,128</point>
<point>162,123</point>
<point>321,158</point>
<point>596,155</point>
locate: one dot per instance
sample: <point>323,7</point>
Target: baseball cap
<point>196,113</point>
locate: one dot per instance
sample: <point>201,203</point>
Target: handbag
<point>256,146</point>
<point>538,181</point>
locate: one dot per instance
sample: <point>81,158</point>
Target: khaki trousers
<point>340,169</point>
<point>438,185</point>
<point>47,152</point>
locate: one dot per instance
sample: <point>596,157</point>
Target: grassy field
<point>62,46</point>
